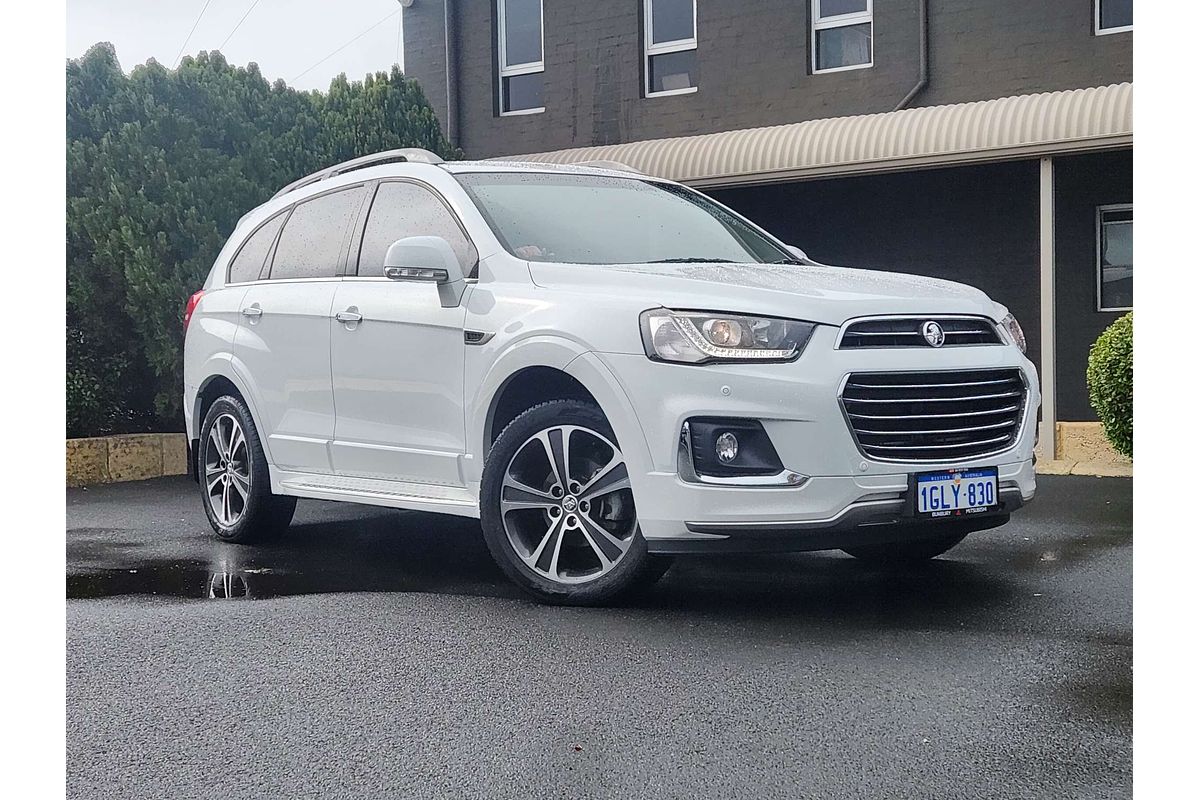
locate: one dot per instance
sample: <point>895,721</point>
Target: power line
<point>347,44</point>
<point>239,24</point>
<point>189,36</point>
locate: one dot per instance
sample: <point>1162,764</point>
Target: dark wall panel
<point>1081,184</point>
<point>425,51</point>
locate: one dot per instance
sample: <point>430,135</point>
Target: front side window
<point>247,265</point>
<point>1114,249</point>
<point>403,209</point>
<point>592,219</point>
<point>314,235</point>
<point>671,64</point>
<point>1113,16</point>
<point>841,37</point>
<point>520,47</point>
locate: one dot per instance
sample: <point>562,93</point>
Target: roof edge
<point>1006,128</point>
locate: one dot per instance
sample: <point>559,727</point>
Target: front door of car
<point>397,353</point>
<point>283,339</point>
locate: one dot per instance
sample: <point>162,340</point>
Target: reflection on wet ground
<point>372,551</point>
<point>346,548</point>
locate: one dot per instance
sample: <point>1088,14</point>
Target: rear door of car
<point>283,339</point>
<point>397,354</point>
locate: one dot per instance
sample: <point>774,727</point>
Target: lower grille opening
<point>934,416</point>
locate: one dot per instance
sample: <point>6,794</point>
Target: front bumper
<point>846,495</point>
<point>823,514</point>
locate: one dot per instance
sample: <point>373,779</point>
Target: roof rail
<point>413,155</point>
<point>606,164</point>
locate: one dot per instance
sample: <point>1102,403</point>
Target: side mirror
<point>427,259</point>
<point>800,254</point>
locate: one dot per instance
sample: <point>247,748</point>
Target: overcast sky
<point>285,37</point>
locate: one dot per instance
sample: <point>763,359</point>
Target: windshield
<point>593,219</point>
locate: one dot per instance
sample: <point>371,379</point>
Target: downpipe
<point>451,51</point>
<point>923,79</point>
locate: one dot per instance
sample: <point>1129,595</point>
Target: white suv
<point>606,368</point>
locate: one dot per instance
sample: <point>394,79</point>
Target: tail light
<point>192,302</point>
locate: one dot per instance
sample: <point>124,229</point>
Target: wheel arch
<point>548,369</point>
<point>523,390</point>
<point>223,378</point>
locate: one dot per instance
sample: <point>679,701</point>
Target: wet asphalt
<point>378,653</point>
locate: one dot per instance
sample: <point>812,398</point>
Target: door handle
<point>252,311</point>
<point>348,316</point>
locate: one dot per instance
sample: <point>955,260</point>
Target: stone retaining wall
<point>131,457</point>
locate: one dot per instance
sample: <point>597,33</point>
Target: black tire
<point>905,552</point>
<point>263,515</point>
<point>635,571</point>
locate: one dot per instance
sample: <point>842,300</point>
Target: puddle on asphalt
<point>196,581</point>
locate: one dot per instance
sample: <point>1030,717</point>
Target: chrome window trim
<point>264,281</point>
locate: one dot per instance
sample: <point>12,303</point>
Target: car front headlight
<point>1013,329</point>
<point>696,337</point>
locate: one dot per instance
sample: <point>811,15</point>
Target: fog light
<point>727,447</point>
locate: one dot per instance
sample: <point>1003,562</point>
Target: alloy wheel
<point>227,470</point>
<point>566,504</point>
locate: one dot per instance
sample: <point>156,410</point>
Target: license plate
<point>956,493</point>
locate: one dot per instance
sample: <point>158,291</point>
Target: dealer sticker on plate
<point>957,492</point>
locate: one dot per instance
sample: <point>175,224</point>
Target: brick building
<point>988,141</point>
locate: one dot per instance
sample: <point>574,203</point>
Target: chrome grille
<point>934,416</point>
<point>906,332</point>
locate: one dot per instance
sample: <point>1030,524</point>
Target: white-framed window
<point>841,35</point>
<point>1113,16</point>
<point>520,49</point>
<point>671,64</point>
<point>1114,257</point>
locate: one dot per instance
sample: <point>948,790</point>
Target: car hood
<point>816,293</point>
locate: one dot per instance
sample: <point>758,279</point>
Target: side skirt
<point>376,492</point>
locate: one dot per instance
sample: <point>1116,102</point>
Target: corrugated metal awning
<point>1024,126</point>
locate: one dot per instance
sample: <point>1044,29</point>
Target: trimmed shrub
<point>161,163</point>
<point>1110,383</point>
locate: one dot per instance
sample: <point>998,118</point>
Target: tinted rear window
<point>248,263</point>
<point>312,239</point>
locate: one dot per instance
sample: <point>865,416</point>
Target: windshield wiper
<point>795,261</point>
<point>692,261</point>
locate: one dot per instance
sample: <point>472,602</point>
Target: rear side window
<point>406,209</point>
<point>312,239</point>
<point>248,263</point>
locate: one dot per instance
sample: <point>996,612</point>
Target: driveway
<point>378,653</point>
